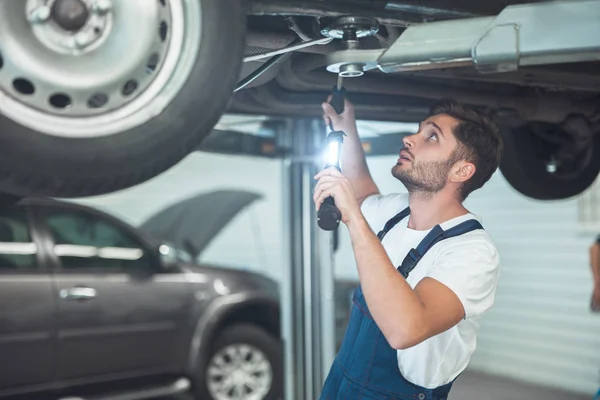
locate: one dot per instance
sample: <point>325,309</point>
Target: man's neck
<point>429,210</point>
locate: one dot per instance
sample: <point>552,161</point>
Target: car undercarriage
<point>542,92</point>
<point>114,107</point>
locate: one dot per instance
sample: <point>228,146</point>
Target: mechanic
<point>417,307</point>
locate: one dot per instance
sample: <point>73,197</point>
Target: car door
<point>119,311</point>
<point>27,305</point>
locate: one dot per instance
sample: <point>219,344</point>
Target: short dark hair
<point>479,141</point>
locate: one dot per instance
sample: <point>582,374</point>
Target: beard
<point>424,178</point>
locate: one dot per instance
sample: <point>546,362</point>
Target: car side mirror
<point>170,257</point>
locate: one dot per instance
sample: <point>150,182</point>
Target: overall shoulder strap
<point>393,222</point>
<point>433,237</point>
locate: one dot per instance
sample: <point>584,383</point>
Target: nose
<point>408,141</point>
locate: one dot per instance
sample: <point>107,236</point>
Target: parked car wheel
<point>98,99</point>
<point>551,162</point>
<point>245,363</point>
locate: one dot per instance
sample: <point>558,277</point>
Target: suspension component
<point>349,30</point>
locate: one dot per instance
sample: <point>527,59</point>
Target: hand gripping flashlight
<point>329,216</point>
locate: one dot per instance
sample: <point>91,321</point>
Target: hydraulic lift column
<point>308,280</point>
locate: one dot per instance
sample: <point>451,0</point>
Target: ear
<point>462,172</point>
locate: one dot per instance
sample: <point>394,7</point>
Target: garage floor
<point>477,386</point>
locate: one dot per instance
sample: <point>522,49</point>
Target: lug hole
<point>98,100</point>
<point>163,30</point>
<point>1,61</point>
<point>130,87</point>
<point>60,100</point>
<point>163,3</point>
<point>23,86</point>
<point>152,62</point>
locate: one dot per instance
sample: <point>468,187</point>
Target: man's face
<point>427,156</point>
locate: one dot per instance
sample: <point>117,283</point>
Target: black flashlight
<point>329,216</point>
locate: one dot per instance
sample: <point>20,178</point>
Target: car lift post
<point>307,288</point>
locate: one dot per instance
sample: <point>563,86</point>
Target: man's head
<point>456,149</point>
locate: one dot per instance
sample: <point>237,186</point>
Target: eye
<point>432,136</point>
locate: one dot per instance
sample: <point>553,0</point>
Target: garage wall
<point>251,241</point>
<point>540,329</point>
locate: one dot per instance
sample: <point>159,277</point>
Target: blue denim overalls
<point>366,366</point>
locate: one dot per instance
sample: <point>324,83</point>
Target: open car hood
<point>191,224</point>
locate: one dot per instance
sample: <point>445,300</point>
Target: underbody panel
<point>298,83</point>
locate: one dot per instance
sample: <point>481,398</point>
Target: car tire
<point>61,162</point>
<point>527,149</point>
<point>243,339</point>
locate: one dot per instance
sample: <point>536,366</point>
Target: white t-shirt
<point>468,264</point>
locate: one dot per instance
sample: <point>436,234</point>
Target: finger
<point>347,105</point>
<point>325,194</point>
<point>333,184</point>
<point>322,173</point>
<point>333,171</point>
<point>324,190</point>
<point>329,110</point>
<point>324,187</point>
<point>328,173</point>
<point>333,192</point>
<point>330,178</point>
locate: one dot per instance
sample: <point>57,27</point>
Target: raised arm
<point>354,164</point>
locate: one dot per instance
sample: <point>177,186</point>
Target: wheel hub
<point>70,15</point>
<point>70,27</point>
<point>239,371</point>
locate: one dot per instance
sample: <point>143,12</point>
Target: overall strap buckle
<point>409,263</point>
<point>414,255</point>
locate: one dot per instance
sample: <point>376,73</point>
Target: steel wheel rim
<point>128,73</point>
<point>239,372</point>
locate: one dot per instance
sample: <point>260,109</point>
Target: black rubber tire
<point>36,164</point>
<point>527,173</point>
<point>247,334</point>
